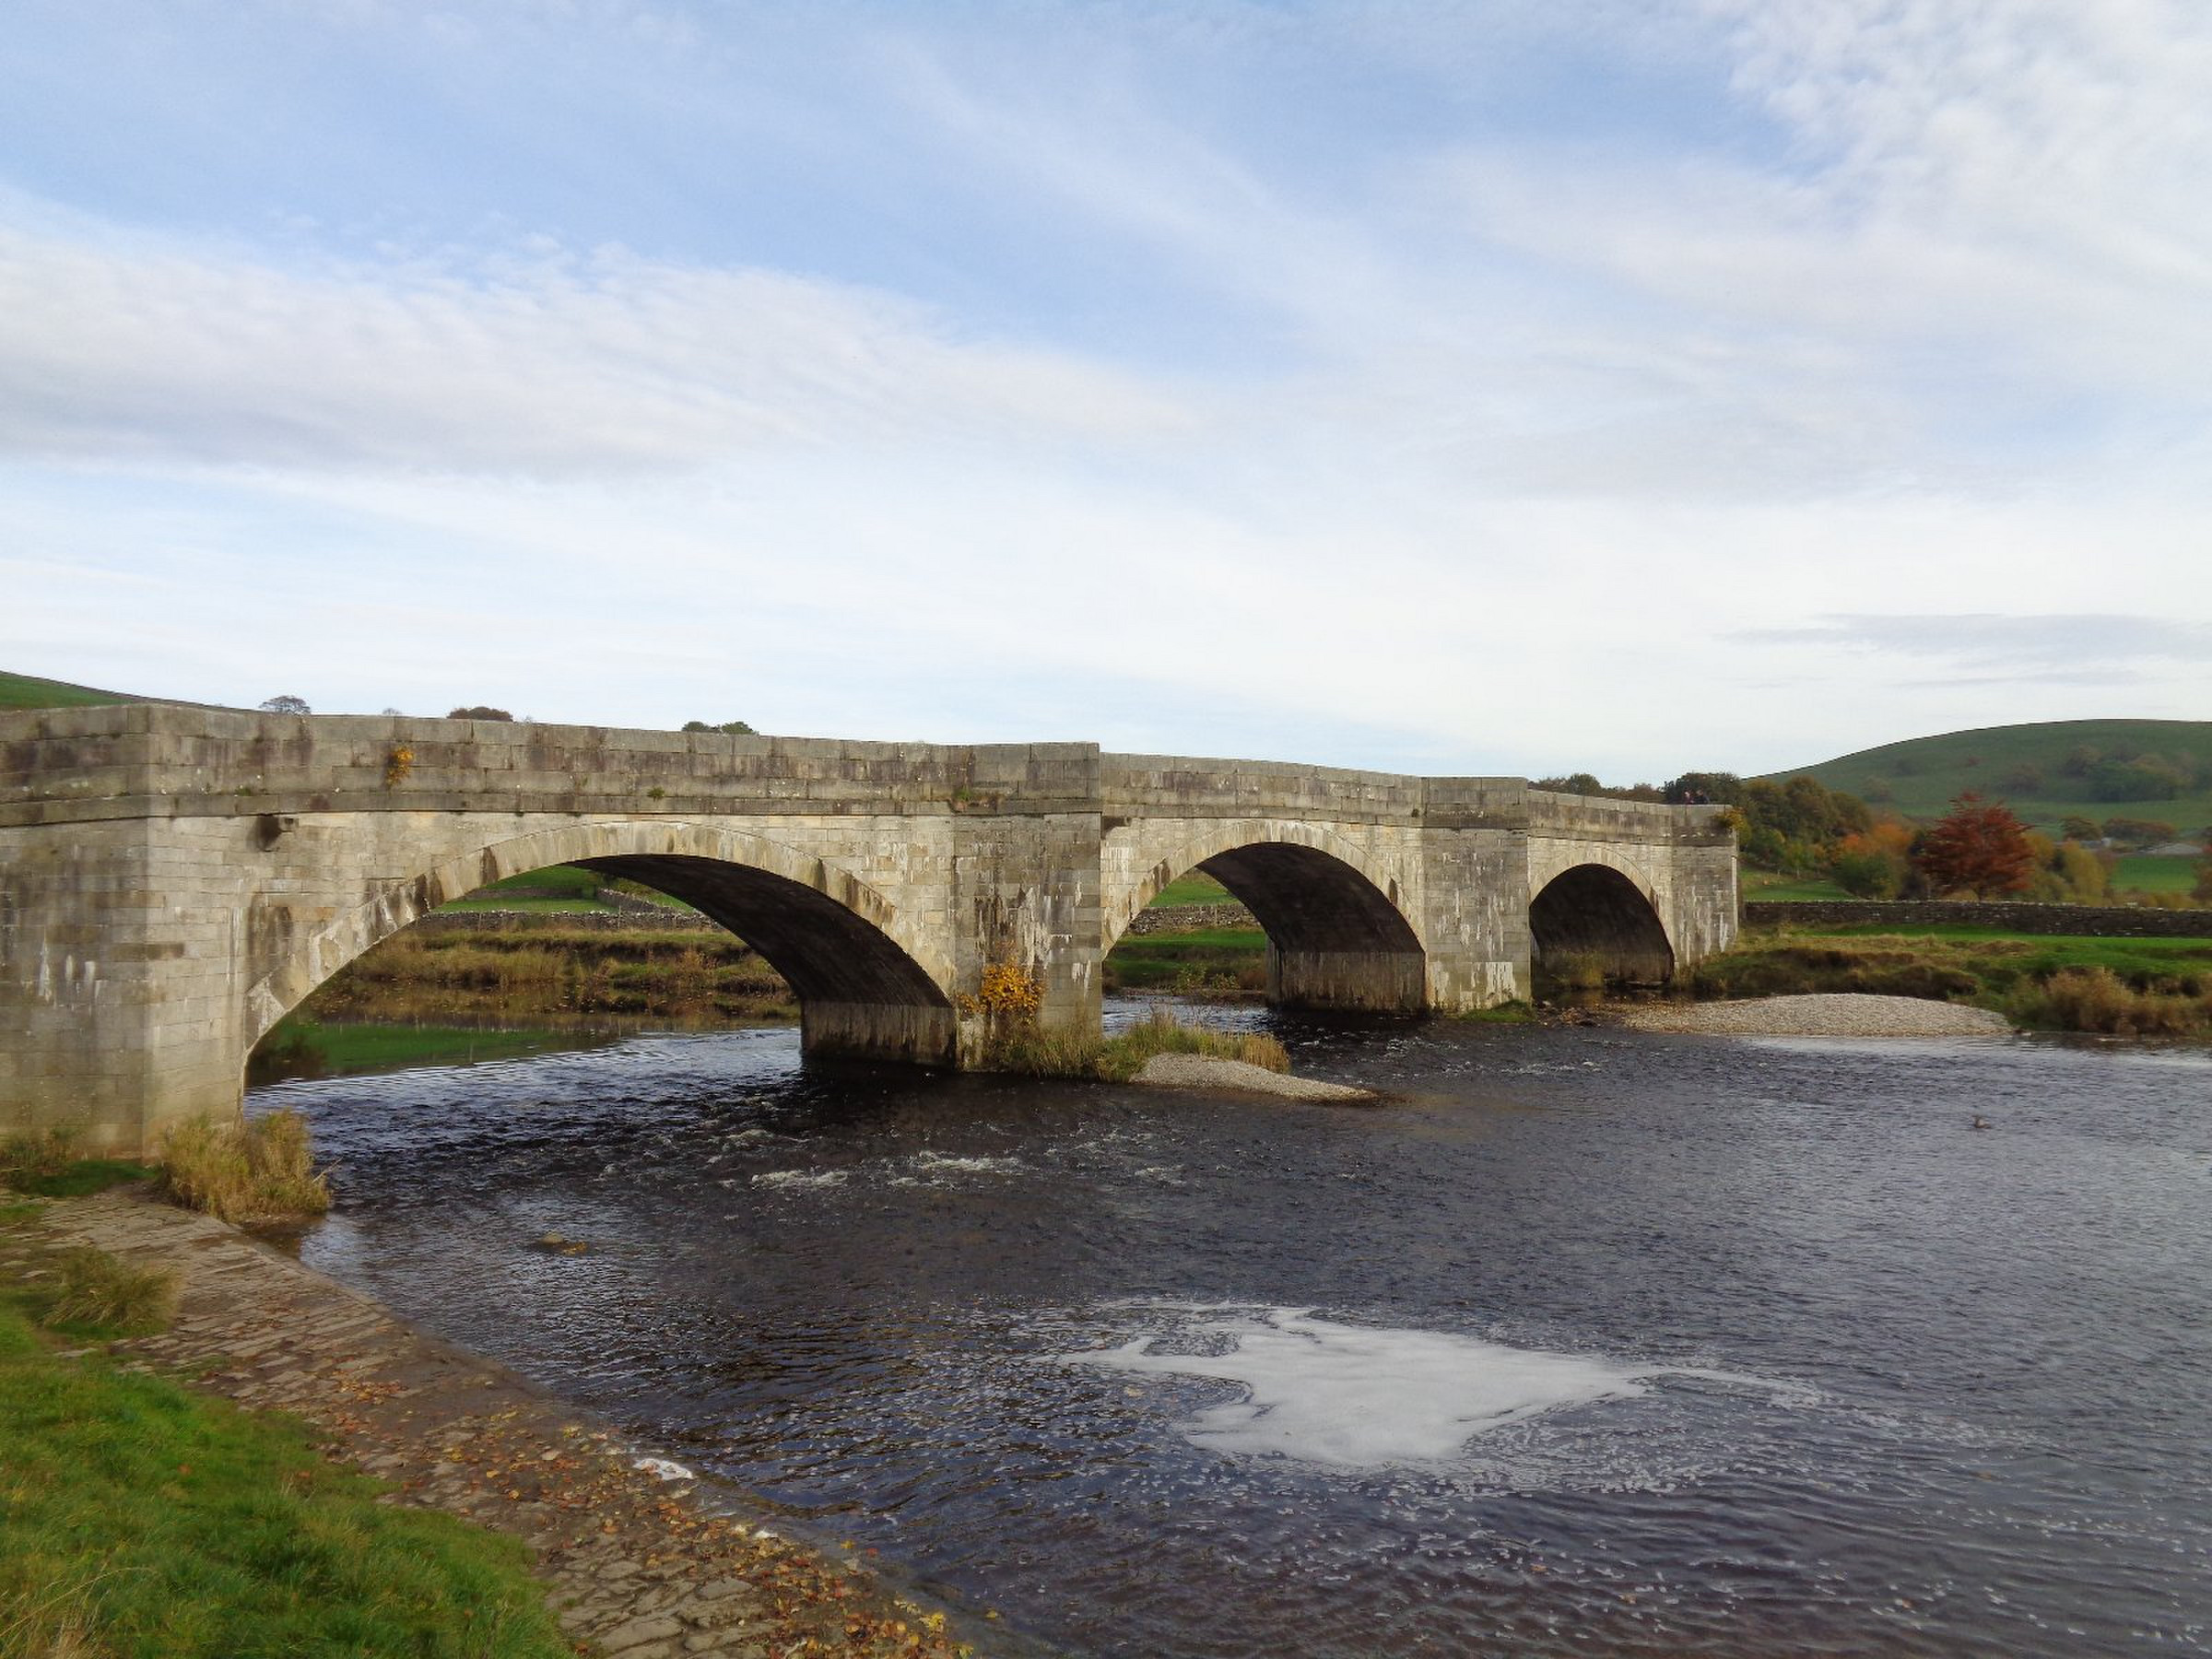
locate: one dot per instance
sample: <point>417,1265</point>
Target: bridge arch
<point>1338,932</point>
<point>864,983</point>
<point>1602,911</point>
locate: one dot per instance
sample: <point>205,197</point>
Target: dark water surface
<point>1591,1342</point>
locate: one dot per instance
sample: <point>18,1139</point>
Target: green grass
<point>564,880</point>
<point>2146,873</point>
<point>2150,985</point>
<point>1197,887</point>
<point>1208,959</point>
<point>527,906</point>
<point>85,1176</point>
<point>2048,952</point>
<point>1922,774</point>
<point>1764,887</point>
<point>139,1521</point>
<point>296,1047</point>
<point>27,691</point>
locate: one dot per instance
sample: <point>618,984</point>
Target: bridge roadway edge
<point>173,877</point>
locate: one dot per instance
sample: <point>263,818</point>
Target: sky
<point>1491,387</point>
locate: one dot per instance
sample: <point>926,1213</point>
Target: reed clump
<point>2097,999</point>
<point>108,1294</point>
<point>1030,1051</point>
<point>261,1170</point>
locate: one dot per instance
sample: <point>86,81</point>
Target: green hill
<point>2052,770</point>
<point>27,691</point>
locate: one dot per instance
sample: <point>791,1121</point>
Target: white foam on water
<point>1353,1395</point>
<point>801,1178</point>
<point>937,1163</point>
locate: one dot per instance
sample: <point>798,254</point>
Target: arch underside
<point>859,994</point>
<point>1598,915</point>
<point>1334,939</point>
<point>836,942</point>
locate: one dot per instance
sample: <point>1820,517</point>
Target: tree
<point>1978,848</point>
<point>728,728</point>
<point>478,712</point>
<point>287,704</point>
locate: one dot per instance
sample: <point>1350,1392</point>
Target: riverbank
<point>2111,986</point>
<point>1814,1016</point>
<point>633,1564</point>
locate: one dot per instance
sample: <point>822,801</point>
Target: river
<point>1586,1341</point>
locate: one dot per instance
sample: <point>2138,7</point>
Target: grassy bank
<point>138,1518</point>
<point>427,978</point>
<point>2119,986</point>
<point>1216,962</point>
<point>308,1048</point>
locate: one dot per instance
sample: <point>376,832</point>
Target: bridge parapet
<point>131,756</point>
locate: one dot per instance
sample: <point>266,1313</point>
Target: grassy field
<point>2062,982</point>
<point>27,691</point>
<point>137,1518</point>
<point>2148,872</point>
<point>519,977</point>
<point>1768,888</point>
<point>1211,960</point>
<point>307,1048</point>
<point>1197,887</point>
<point>1922,774</point>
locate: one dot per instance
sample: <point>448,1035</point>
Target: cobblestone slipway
<point>635,1566</point>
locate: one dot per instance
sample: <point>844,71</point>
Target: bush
<point>244,1171</point>
<point>2096,999</point>
<point>110,1295</point>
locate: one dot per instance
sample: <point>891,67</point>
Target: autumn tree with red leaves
<point>1979,848</point>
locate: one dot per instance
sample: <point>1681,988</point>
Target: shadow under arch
<point>1334,938</point>
<point>862,993</point>
<point>1594,912</point>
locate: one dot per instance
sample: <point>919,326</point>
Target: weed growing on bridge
<point>245,1171</point>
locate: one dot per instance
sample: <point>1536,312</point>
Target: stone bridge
<point>173,879</point>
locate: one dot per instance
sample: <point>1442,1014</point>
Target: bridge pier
<point>172,880</point>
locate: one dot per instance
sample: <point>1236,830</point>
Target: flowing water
<point>1586,1342</point>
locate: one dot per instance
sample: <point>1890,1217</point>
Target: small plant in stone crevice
<point>244,1171</point>
<point>397,765</point>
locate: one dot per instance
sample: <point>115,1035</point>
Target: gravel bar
<point>1822,1016</point>
<point>1208,1071</point>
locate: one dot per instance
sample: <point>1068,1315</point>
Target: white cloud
<point>115,347</point>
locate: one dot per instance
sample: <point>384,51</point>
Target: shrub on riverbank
<point>144,1519</point>
<point>254,1171</point>
<point>2097,999</point>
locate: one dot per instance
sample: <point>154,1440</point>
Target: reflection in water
<point>1179,1375</point>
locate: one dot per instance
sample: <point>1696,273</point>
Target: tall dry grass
<point>107,1294</point>
<point>260,1171</point>
<point>2097,999</point>
<point>1027,1049</point>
